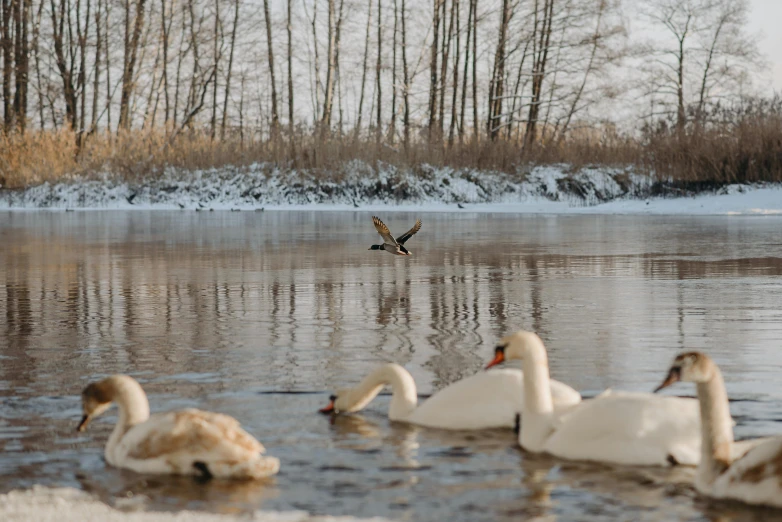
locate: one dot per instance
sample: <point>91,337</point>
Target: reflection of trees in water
<point>255,297</point>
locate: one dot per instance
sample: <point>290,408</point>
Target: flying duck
<point>391,245</point>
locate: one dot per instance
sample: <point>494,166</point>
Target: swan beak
<point>674,375</point>
<point>328,409</point>
<point>499,357</point>
<point>370,248</point>
<point>85,420</point>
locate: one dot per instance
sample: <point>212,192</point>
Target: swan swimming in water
<point>183,442</point>
<point>753,476</point>
<point>616,427</point>
<point>490,399</point>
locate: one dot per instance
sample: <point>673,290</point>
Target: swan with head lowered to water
<point>753,476</point>
<point>184,442</point>
<point>485,400</point>
<point>616,427</point>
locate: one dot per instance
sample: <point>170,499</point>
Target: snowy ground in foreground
<point>555,189</point>
<point>71,505</point>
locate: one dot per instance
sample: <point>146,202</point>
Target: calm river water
<point>261,315</point>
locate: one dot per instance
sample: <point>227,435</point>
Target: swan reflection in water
<point>128,490</point>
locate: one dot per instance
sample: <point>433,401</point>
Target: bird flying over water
<point>390,244</point>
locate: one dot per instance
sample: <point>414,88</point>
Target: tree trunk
<point>331,70</point>
<point>69,91</point>
<point>130,65</point>
<point>36,37</point>
<point>454,97</point>
<point>378,68</point>
<point>83,36</point>
<point>109,94</point>
<point>444,66</point>
<point>497,85</point>
<point>289,28</point>
<point>405,80</point>
<point>394,83</point>
<point>21,54</point>
<point>275,115</point>
<point>96,70</point>
<point>7,14</point>
<point>466,70</point>
<point>433,70</point>
<point>364,70</point>
<point>230,68</point>
<point>216,59</point>
<point>540,54</point>
<point>475,69</point>
<point>180,58</point>
<point>164,30</point>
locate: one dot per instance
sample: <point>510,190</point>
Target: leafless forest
<point>134,85</point>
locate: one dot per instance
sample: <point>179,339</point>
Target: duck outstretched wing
<point>410,233</point>
<point>382,229</point>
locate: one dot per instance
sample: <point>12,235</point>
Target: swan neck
<point>716,428</point>
<point>538,404</point>
<point>404,396</point>
<point>133,409</point>
<point>132,402</point>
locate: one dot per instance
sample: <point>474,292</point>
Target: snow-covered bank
<point>71,505</point>
<point>550,189</point>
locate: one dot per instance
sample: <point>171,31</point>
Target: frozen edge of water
<point>44,504</point>
<point>553,189</point>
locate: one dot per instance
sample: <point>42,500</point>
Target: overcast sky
<point>765,20</point>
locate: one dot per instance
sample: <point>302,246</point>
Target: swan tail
<point>258,468</point>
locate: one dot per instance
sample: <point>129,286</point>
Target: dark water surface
<point>260,315</point>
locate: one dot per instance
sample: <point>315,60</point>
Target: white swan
<point>485,400</point>
<point>615,427</point>
<point>753,476</point>
<point>184,442</point>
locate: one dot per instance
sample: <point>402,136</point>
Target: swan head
<point>519,345</point>
<point>694,367</point>
<point>342,402</point>
<point>95,399</point>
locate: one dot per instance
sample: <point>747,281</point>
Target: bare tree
<point>455,94</point>
<point>364,70</point>
<point>378,68</point>
<point>701,51</point>
<point>270,54</point>
<point>335,22</point>
<point>64,66</point>
<point>497,84</point>
<point>131,51</point>
<point>6,8</point>
<point>433,84</point>
<point>405,79</point>
<point>541,46</point>
<point>289,30</point>
<point>230,67</point>
<point>467,44</point>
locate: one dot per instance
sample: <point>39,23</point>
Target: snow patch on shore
<point>358,185</point>
<point>43,504</point>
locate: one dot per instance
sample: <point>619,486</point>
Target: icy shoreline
<point>71,505</point>
<point>357,186</point>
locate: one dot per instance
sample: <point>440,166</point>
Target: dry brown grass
<point>41,156</point>
<point>738,145</point>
